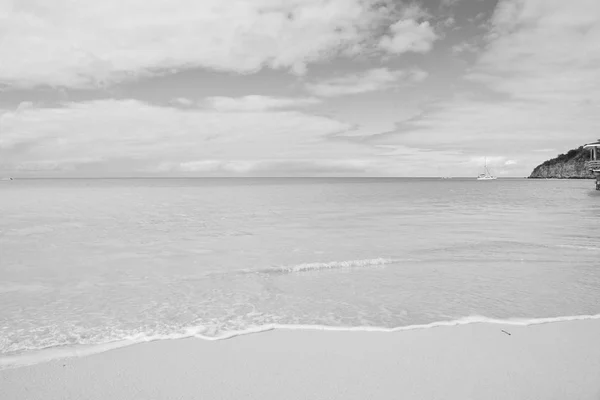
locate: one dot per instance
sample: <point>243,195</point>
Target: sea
<point>87,265</point>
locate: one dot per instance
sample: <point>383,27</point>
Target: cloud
<point>411,33</point>
<point>62,165</point>
<point>501,126</point>
<point>477,17</point>
<point>129,137</point>
<point>258,103</point>
<point>413,11</point>
<point>408,36</point>
<point>101,135</point>
<point>464,47</point>
<point>81,44</point>
<point>499,165</point>
<point>543,50</point>
<point>449,22</point>
<point>536,84</point>
<point>182,101</point>
<point>491,161</point>
<point>449,3</point>
<point>368,81</point>
<point>271,167</point>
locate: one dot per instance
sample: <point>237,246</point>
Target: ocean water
<point>87,265</point>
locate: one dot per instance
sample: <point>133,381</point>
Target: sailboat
<point>442,176</point>
<point>486,176</point>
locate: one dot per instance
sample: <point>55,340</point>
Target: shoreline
<point>546,361</point>
<point>478,360</point>
<point>49,354</point>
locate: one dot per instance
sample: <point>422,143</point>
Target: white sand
<point>478,361</point>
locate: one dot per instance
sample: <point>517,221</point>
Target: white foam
<point>63,352</point>
<point>316,266</point>
<point>476,319</point>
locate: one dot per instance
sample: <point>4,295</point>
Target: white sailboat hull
<point>486,176</point>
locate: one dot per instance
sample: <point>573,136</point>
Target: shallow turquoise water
<point>95,261</point>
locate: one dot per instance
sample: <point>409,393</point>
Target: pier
<point>594,164</point>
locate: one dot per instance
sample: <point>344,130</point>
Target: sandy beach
<point>548,361</point>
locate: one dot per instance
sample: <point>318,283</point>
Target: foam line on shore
<point>457,322</point>
<point>63,352</point>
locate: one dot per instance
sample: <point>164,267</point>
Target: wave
<point>316,266</point>
<point>63,352</point>
<point>501,245</point>
<point>576,247</point>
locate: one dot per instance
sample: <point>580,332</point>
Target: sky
<point>295,87</point>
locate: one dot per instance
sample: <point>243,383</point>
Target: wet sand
<point>478,361</point>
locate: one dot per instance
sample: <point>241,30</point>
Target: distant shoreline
<point>561,178</point>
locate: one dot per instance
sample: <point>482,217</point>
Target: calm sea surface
<point>87,262</point>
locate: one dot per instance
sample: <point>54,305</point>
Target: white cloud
<point>368,81</point>
<point>498,126</point>
<point>135,135</point>
<point>478,17</point>
<point>272,167</point>
<point>449,22</point>
<point>62,165</point>
<point>413,11</point>
<point>79,44</point>
<point>112,137</point>
<point>449,3</point>
<point>491,161</point>
<point>464,47</point>
<point>182,101</point>
<point>408,36</point>
<point>258,103</point>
